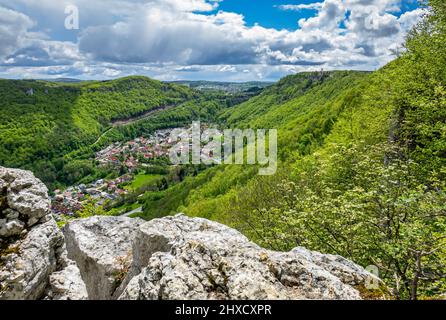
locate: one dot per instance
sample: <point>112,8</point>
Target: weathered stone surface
<point>24,194</point>
<point>25,270</point>
<point>347,271</point>
<point>132,290</point>
<point>11,227</point>
<point>184,258</point>
<point>31,245</point>
<point>27,255</point>
<point>67,284</point>
<point>102,249</point>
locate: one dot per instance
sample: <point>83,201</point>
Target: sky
<point>217,40</point>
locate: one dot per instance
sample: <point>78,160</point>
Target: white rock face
<point>25,195</point>
<point>102,249</point>
<point>67,285</point>
<point>24,273</point>
<point>184,258</point>
<point>31,245</point>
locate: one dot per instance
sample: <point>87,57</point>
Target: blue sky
<point>268,14</point>
<point>225,40</point>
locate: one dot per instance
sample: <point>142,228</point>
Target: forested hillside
<point>302,107</point>
<point>53,128</point>
<point>43,121</point>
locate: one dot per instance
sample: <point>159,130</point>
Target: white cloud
<point>111,73</point>
<point>13,28</point>
<point>299,7</point>
<point>22,46</point>
<point>408,19</point>
<point>331,14</point>
<point>160,35</point>
<point>380,5</point>
<point>227,68</point>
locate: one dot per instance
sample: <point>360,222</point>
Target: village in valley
<point>127,159</point>
<point>137,152</point>
<point>123,157</point>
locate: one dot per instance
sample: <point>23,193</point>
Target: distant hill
<point>231,87</point>
<point>303,107</point>
<point>63,80</point>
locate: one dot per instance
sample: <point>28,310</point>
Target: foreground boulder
<point>32,247</point>
<point>184,258</point>
<point>102,249</point>
<point>67,284</point>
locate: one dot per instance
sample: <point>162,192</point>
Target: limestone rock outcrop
<point>102,249</point>
<point>32,247</point>
<point>185,258</point>
<point>67,284</point>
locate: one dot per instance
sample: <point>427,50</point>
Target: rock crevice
<point>102,248</point>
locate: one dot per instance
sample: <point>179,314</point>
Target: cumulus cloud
<point>299,7</point>
<point>368,21</point>
<point>21,46</point>
<point>158,35</point>
<point>379,5</point>
<point>40,52</point>
<point>13,28</point>
<point>409,19</point>
<point>331,14</point>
